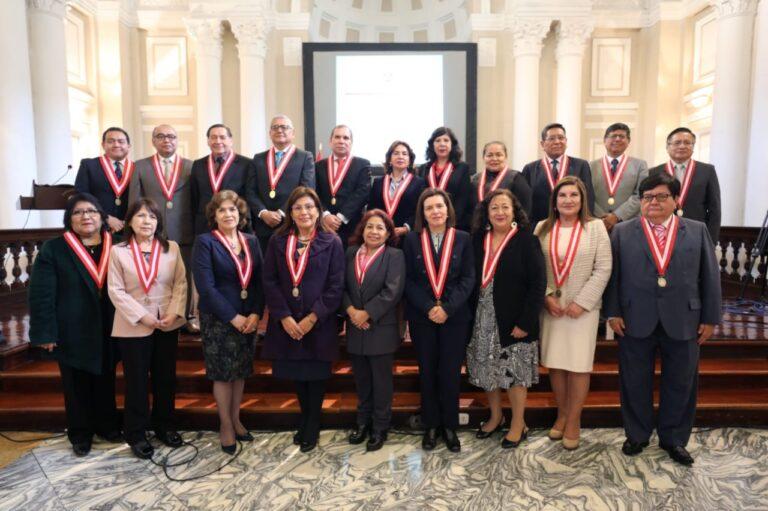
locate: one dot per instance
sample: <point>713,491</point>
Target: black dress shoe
<point>81,448</point>
<point>169,438</point>
<point>429,441</point>
<point>481,433</point>
<point>359,434</point>
<point>245,437</point>
<point>113,437</point>
<point>297,438</point>
<point>376,441</point>
<point>512,444</point>
<point>678,454</point>
<point>631,448</point>
<point>307,446</point>
<point>229,449</point>
<point>142,449</point>
<point>451,440</point>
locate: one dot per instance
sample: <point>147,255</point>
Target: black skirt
<point>301,370</point>
<point>228,353</point>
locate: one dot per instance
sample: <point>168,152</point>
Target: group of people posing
<point>504,269</point>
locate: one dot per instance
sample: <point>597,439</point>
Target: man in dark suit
<point>700,192</point>
<point>273,175</point>
<point>664,294</point>
<point>223,169</point>
<point>343,184</point>
<point>542,175</point>
<point>107,177</point>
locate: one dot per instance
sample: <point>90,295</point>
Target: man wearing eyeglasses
<point>542,175</point>
<point>164,178</point>
<point>664,295</point>
<point>616,178</point>
<point>700,192</point>
<point>273,175</point>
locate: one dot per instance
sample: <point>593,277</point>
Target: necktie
<point>661,235</point>
<point>278,157</point>
<point>554,170</point>
<point>219,162</point>
<point>614,166</point>
<point>680,171</point>
<point>339,165</point>
<point>166,167</point>
<point>118,171</point>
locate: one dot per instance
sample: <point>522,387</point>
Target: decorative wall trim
<point>704,48</point>
<point>167,66</point>
<point>168,111</point>
<point>611,65</point>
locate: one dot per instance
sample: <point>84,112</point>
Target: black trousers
<point>440,350</point>
<point>89,402</point>
<point>142,356</point>
<point>677,392</point>
<point>310,394</point>
<point>373,380</point>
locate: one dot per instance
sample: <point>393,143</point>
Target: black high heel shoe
<point>482,434</point>
<point>245,437</point>
<point>511,444</point>
<point>229,449</point>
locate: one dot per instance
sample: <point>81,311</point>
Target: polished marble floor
<point>730,473</point>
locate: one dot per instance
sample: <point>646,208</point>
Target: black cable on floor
<point>163,463</point>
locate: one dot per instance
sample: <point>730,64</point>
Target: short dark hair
<point>617,126</point>
<point>83,197</point>
<point>480,220</point>
<point>218,125</point>
<point>454,156</point>
<point>357,236</point>
<point>153,208</point>
<point>218,199</point>
<point>288,225</point>
<point>115,128</point>
<point>551,126</point>
<point>392,146</point>
<point>660,178</point>
<point>681,129</point>
<point>420,221</point>
<point>339,126</point>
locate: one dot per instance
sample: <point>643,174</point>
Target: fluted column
<point>730,111</point>
<point>572,36</point>
<point>251,37</point>
<point>527,37</point>
<point>757,177</point>
<point>207,36</point>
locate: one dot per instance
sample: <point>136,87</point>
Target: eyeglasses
<point>299,209</point>
<point>678,143</point>
<point>617,136</point>
<point>280,127</point>
<point>162,136</point>
<point>660,197</point>
<point>83,212</point>
<point>556,138</point>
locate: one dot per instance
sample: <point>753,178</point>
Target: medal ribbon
<point>168,188</point>
<point>147,272</point>
<point>612,181</point>
<point>335,178</point>
<point>98,274</point>
<point>562,270</point>
<point>391,205</point>
<point>360,268</point>
<point>491,259</point>
<point>560,173</point>
<point>437,278</point>
<point>444,177</point>
<point>661,258</point>
<point>690,170</point>
<point>212,177</point>
<point>118,187</point>
<point>273,174</point>
<point>244,268</point>
<point>494,184</point>
<point>296,269</point>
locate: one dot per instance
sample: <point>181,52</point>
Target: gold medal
<point>243,294</point>
<point>146,300</point>
<point>679,212</point>
<point>611,201</point>
<point>661,281</point>
<point>333,201</point>
<point>169,204</point>
<point>439,303</point>
<point>272,194</point>
<point>295,292</point>
<point>558,293</point>
<point>118,201</point>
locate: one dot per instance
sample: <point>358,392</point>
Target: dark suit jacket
<point>201,192</point>
<point>519,285</point>
<point>300,171</point>
<point>321,291</point>
<point>217,281</point>
<point>404,214</point>
<point>379,295</point>
<point>692,295</point>
<point>534,173</point>
<point>458,188</point>
<point>513,181</point>
<point>91,179</point>
<point>703,200</point>
<point>352,195</point>
<point>458,285</point>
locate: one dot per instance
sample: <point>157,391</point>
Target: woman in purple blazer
<point>303,283</point>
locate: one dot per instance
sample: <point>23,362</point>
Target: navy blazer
<point>458,188</point>
<point>534,173</point>
<point>458,285</point>
<point>692,295</point>
<point>91,179</point>
<point>201,191</point>
<point>217,281</point>
<point>352,195</point>
<point>404,214</point>
<point>321,291</point>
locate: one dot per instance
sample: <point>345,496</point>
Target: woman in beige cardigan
<point>148,286</point>
<point>577,252</point>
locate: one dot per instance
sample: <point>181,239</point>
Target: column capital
<point>572,36</point>
<point>207,35</point>
<point>527,35</point>
<point>52,7</point>
<point>728,8</point>
<point>251,34</point>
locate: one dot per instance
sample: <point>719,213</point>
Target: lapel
<point>372,273</point>
<point>677,252</point>
<point>640,234</point>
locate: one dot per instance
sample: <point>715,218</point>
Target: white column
<point>527,36</point>
<point>730,111</point>
<point>757,177</point>
<point>48,66</point>
<point>17,130</point>
<point>207,36</point>
<point>251,37</point>
<point>572,36</point>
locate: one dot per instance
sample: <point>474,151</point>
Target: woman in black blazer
<point>444,170</point>
<point>375,278</point>
<point>440,277</point>
<point>509,294</point>
<point>497,175</point>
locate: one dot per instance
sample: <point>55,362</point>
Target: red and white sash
<point>147,272</point>
<point>335,175</point>
<point>611,179</point>
<point>212,177</point>
<point>561,172</point>
<point>118,187</point>
<point>491,258</point>
<point>244,267</point>
<point>690,170</point>
<point>438,277</point>
<point>444,176</point>
<point>390,205</point>
<point>274,174</point>
<point>494,184</point>
<point>360,267</point>
<point>169,187</point>
<point>98,273</point>
<point>296,268</point>
<point>661,257</point>
<point>561,270</point>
